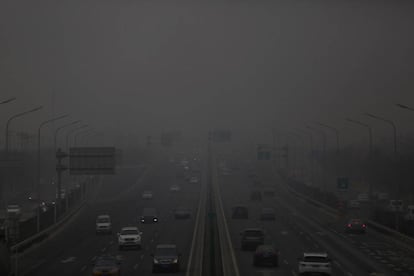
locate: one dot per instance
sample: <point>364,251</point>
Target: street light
<point>87,131</point>
<point>336,133</point>
<point>62,127</point>
<point>72,131</point>
<point>369,131</point>
<point>13,117</point>
<point>8,100</point>
<point>393,127</point>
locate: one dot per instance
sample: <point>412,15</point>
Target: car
<point>268,214</point>
<point>255,195</point>
<point>315,262</point>
<point>266,255</point>
<point>149,215</point>
<point>13,210</point>
<point>166,258</point>
<point>103,224</point>
<point>129,237</point>
<point>396,205</point>
<point>193,180</point>
<point>353,204</point>
<point>175,188</point>
<point>106,265</point>
<point>147,195</point>
<point>240,212</point>
<point>409,215</point>
<point>251,238</point>
<point>355,226</point>
<point>182,213</point>
<point>363,197</point>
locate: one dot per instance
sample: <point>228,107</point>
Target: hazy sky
<point>140,67</point>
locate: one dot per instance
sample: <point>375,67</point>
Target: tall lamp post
<point>14,117</point>
<point>393,127</point>
<point>62,127</point>
<point>334,129</point>
<point>70,133</point>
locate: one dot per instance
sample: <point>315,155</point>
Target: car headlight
<point>156,261</point>
<point>175,261</point>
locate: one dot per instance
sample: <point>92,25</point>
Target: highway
<point>72,250</point>
<point>301,227</point>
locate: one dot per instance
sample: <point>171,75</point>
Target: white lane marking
<point>136,266</point>
<point>93,258</point>
<point>349,274</point>
<point>68,260</point>
<point>284,233</point>
<point>294,273</point>
<point>83,268</point>
<point>142,257</point>
<point>286,262</point>
<point>337,264</point>
<point>103,249</point>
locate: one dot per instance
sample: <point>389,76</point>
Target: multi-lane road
<point>72,250</point>
<point>299,227</point>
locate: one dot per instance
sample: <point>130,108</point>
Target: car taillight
<point>349,225</point>
<point>363,225</point>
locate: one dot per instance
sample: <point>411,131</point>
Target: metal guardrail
<point>229,262</point>
<point>383,229</point>
<point>195,259</point>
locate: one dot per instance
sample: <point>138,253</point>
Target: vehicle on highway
<point>147,195</point>
<point>355,226</point>
<point>194,180</point>
<point>363,197</point>
<point>103,224</point>
<point>409,215</point>
<point>255,195</point>
<point>396,205</point>
<point>175,188</point>
<point>165,258</point>
<point>182,213</point>
<point>353,204</point>
<point>129,237</point>
<point>13,210</point>
<point>266,255</point>
<point>315,263</point>
<point>149,215</point>
<point>240,212</point>
<point>106,265</point>
<point>251,238</point>
<point>268,214</point>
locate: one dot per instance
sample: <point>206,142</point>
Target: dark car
<point>266,255</point>
<point>240,212</point>
<point>267,214</point>
<point>106,265</point>
<point>251,238</point>
<point>355,226</point>
<point>182,213</point>
<point>166,258</point>
<point>255,195</point>
<point>149,215</point>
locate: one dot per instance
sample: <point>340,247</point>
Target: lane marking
<point>84,268</point>
<point>286,262</point>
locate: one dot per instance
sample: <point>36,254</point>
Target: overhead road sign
<point>92,160</point>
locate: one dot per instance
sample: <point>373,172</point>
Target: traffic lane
<point>375,246</point>
<point>290,240</point>
<point>80,232</point>
<point>168,229</point>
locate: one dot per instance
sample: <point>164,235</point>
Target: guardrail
<point>406,241</point>
<point>195,259</point>
<point>229,262</point>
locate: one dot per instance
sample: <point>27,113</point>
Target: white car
<point>147,195</point>
<point>194,180</point>
<point>129,237</point>
<point>103,224</point>
<point>353,204</point>
<point>315,263</point>
<point>13,210</point>
<point>175,188</point>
